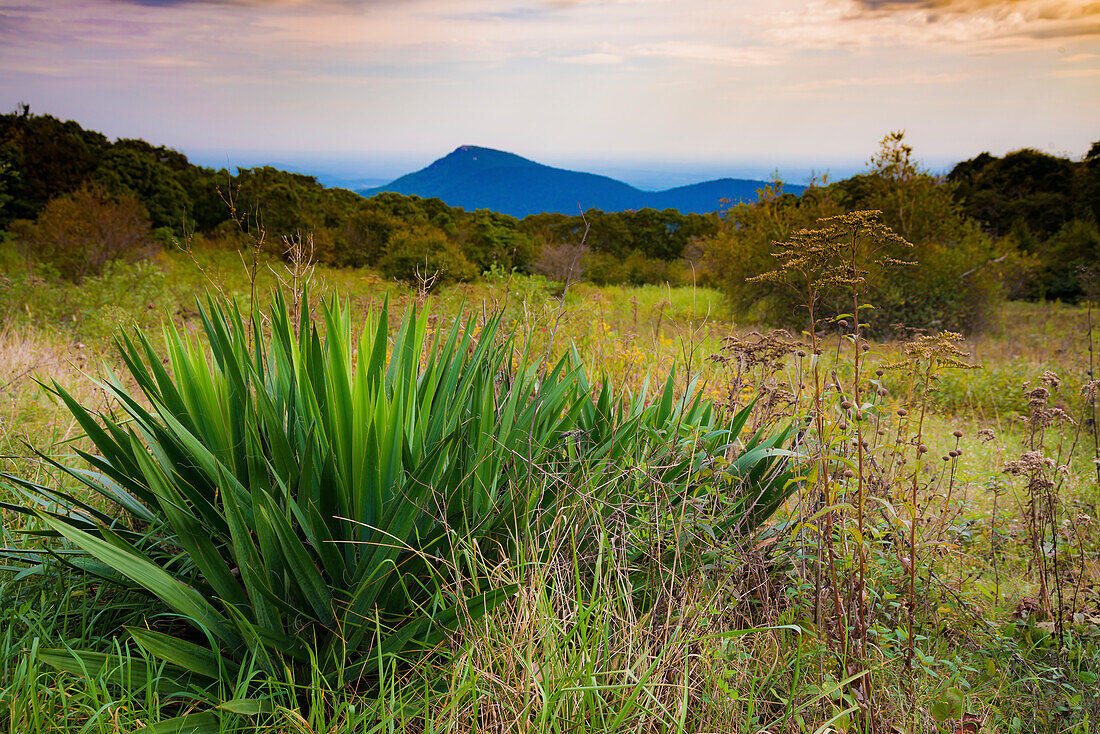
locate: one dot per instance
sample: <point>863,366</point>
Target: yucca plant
<point>302,505</point>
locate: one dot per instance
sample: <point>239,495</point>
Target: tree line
<point>1022,225</point>
<point>60,184</point>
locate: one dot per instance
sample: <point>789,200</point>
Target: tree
<point>489,238</point>
<point>137,170</point>
<point>51,158</point>
<point>1074,247</point>
<point>949,287</point>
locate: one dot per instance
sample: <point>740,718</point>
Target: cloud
<point>1050,9</point>
<point>245,3</point>
<point>707,53</point>
<point>1074,73</point>
<point>990,19</point>
<point>595,58</point>
<point>825,85</point>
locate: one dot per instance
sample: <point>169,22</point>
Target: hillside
<point>482,178</point>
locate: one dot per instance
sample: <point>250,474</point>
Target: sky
<point>702,86</point>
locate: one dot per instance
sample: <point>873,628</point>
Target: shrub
<point>952,284</point>
<point>634,269</point>
<point>418,254</point>
<point>301,506</point>
<point>79,233</point>
<point>562,262</point>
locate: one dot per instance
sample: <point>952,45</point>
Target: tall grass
<point>303,506</point>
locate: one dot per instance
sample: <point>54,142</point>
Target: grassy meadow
<point>936,567</point>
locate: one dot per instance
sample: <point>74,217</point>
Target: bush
<point>79,233</point>
<point>415,256</point>
<point>562,262</point>
<point>952,284</point>
<point>635,269</point>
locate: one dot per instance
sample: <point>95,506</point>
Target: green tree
<point>137,170</point>
<point>1072,248</point>
<point>51,157</point>
<point>489,238</point>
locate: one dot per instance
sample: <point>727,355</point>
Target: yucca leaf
<point>173,592</point>
<point>199,723</point>
<point>301,565</point>
<point>184,655</point>
<point>128,673</point>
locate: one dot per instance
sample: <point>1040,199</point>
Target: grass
<point>729,639</point>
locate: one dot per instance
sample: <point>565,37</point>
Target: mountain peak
<point>473,177</point>
<point>483,157</point>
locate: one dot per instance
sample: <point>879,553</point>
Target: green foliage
<point>661,235</point>
<point>303,503</point>
<point>743,246</point>
<point>951,285</point>
<point>48,158</point>
<point>1066,256</point>
<point>1047,203</point>
<point>424,255</point>
<point>490,239</point>
<point>634,269</point>
<point>136,168</point>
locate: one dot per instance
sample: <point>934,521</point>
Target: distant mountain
<point>483,178</point>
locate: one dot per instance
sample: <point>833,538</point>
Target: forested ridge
<point>1023,225</point>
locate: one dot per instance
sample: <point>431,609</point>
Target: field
<point>935,568</point>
